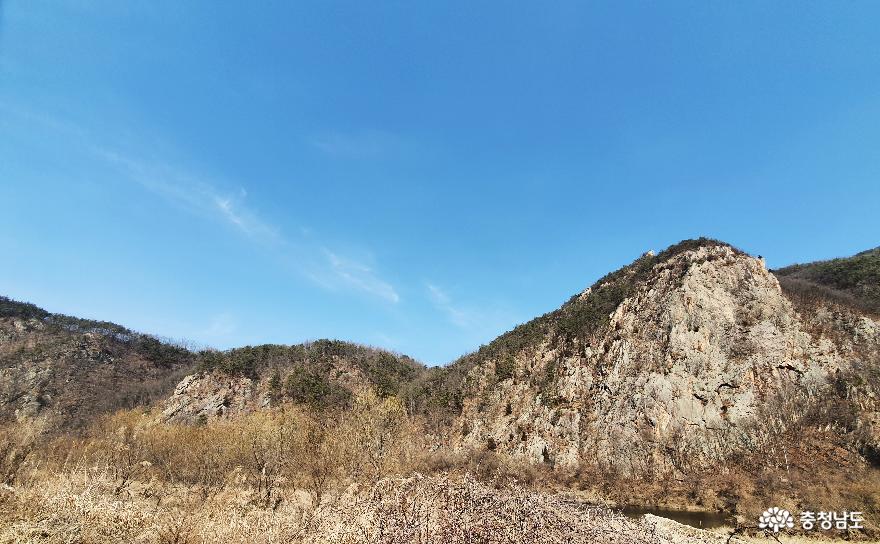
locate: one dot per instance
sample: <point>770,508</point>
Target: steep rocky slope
<point>63,371</point>
<point>671,364</point>
<point>321,374</point>
<point>674,363</point>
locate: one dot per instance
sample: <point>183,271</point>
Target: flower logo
<point>776,518</point>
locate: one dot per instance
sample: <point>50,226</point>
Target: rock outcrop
<point>703,356</point>
<point>321,374</point>
<point>678,361</point>
<point>64,372</point>
<point>211,395</point>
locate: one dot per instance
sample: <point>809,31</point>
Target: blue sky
<point>412,175</point>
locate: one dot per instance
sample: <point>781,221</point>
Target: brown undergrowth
<point>368,473</point>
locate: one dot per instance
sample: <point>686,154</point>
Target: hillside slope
<point>676,363</point>
<point>853,281</point>
<point>64,371</point>
<point>694,377</point>
<point>672,364</point>
<point>324,374</point>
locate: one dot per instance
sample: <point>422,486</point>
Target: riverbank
<point>673,532</point>
<point>85,506</point>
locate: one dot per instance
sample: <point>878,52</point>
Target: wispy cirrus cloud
<point>227,203</point>
<point>236,213</point>
<point>357,275</point>
<point>480,322</point>
<point>327,268</point>
<point>458,316</point>
<point>194,194</point>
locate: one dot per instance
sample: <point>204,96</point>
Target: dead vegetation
<point>82,507</point>
<point>277,476</point>
<point>363,474</point>
<point>328,465</point>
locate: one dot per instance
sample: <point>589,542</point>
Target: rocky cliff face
<point>64,372</point>
<point>673,363</point>
<point>200,397</point>
<point>701,356</point>
<point>322,374</point>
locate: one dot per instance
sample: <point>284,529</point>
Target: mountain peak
<point>675,352</point>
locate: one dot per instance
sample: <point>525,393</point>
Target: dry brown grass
<point>284,475</point>
<point>264,451</point>
<point>85,507</point>
<point>290,475</point>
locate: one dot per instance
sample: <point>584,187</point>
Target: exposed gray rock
<point>686,364</point>
<point>209,395</point>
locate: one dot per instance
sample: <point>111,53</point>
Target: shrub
<point>504,367</point>
<point>21,310</point>
<point>852,281</point>
<point>306,386</point>
<point>313,365</point>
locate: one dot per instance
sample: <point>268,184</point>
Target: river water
<point>701,520</point>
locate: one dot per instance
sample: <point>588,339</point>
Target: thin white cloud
<point>480,323</point>
<point>197,195</point>
<point>458,316</point>
<point>236,213</point>
<point>359,276</point>
<point>333,269</point>
<point>194,194</point>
